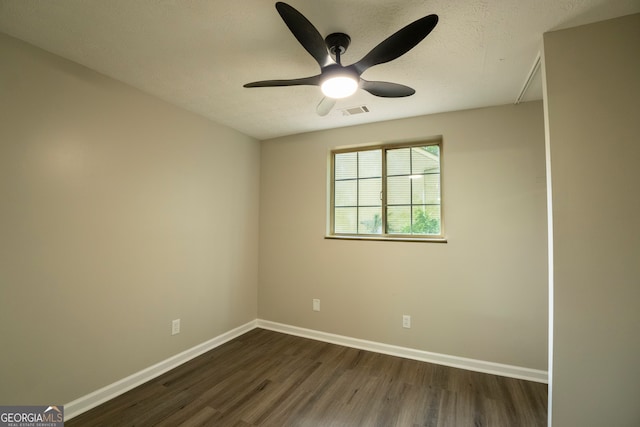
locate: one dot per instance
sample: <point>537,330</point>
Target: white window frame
<point>440,238</point>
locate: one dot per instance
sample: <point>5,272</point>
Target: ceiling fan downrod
<point>337,43</point>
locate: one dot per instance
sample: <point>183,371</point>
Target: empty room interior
<point>194,231</point>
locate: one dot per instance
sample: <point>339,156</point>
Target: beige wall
<point>118,213</point>
<point>593,110</point>
<point>482,295</point>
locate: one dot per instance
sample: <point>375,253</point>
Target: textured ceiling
<point>197,54</point>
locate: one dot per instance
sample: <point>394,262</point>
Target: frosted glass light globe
<point>339,87</point>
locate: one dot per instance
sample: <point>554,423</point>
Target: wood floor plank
<point>265,378</point>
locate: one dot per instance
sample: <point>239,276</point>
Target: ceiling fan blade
<point>326,104</point>
<point>386,89</point>
<point>306,33</point>
<point>311,81</point>
<point>399,43</point>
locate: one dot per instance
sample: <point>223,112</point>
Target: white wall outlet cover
<point>175,327</point>
<point>316,305</point>
<point>406,321</point>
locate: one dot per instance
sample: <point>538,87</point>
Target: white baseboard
<point>91,400</point>
<point>409,353</point>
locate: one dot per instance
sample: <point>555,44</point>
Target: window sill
<point>391,238</point>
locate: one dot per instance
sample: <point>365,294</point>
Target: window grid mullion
<point>358,193</point>
<point>410,191</point>
<point>383,201</point>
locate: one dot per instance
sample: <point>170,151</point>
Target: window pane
<point>346,165</point>
<point>346,193</point>
<point>398,190</point>
<point>370,221</point>
<point>425,159</point>
<point>426,189</point>
<point>398,219</point>
<point>398,162</point>
<point>411,203</point>
<point>346,220</point>
<point>426,220</point>
<point>369,192</point>
<point>370,164</point>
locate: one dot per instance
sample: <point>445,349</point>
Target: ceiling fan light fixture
<point>338,81</point>
<point>339,87</point>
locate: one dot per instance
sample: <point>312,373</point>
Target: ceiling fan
<point>339,81</point>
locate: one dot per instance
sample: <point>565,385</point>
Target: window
<point>387,191</point>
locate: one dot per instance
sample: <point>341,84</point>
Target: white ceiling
<point>197,54</point>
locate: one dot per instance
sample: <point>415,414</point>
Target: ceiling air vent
<point>354,110</point>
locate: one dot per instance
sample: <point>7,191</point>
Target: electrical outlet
<point>406,321</point>
<point>175,327</point>
<point>316,305</point>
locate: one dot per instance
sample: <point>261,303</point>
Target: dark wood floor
<point>265,378</point>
